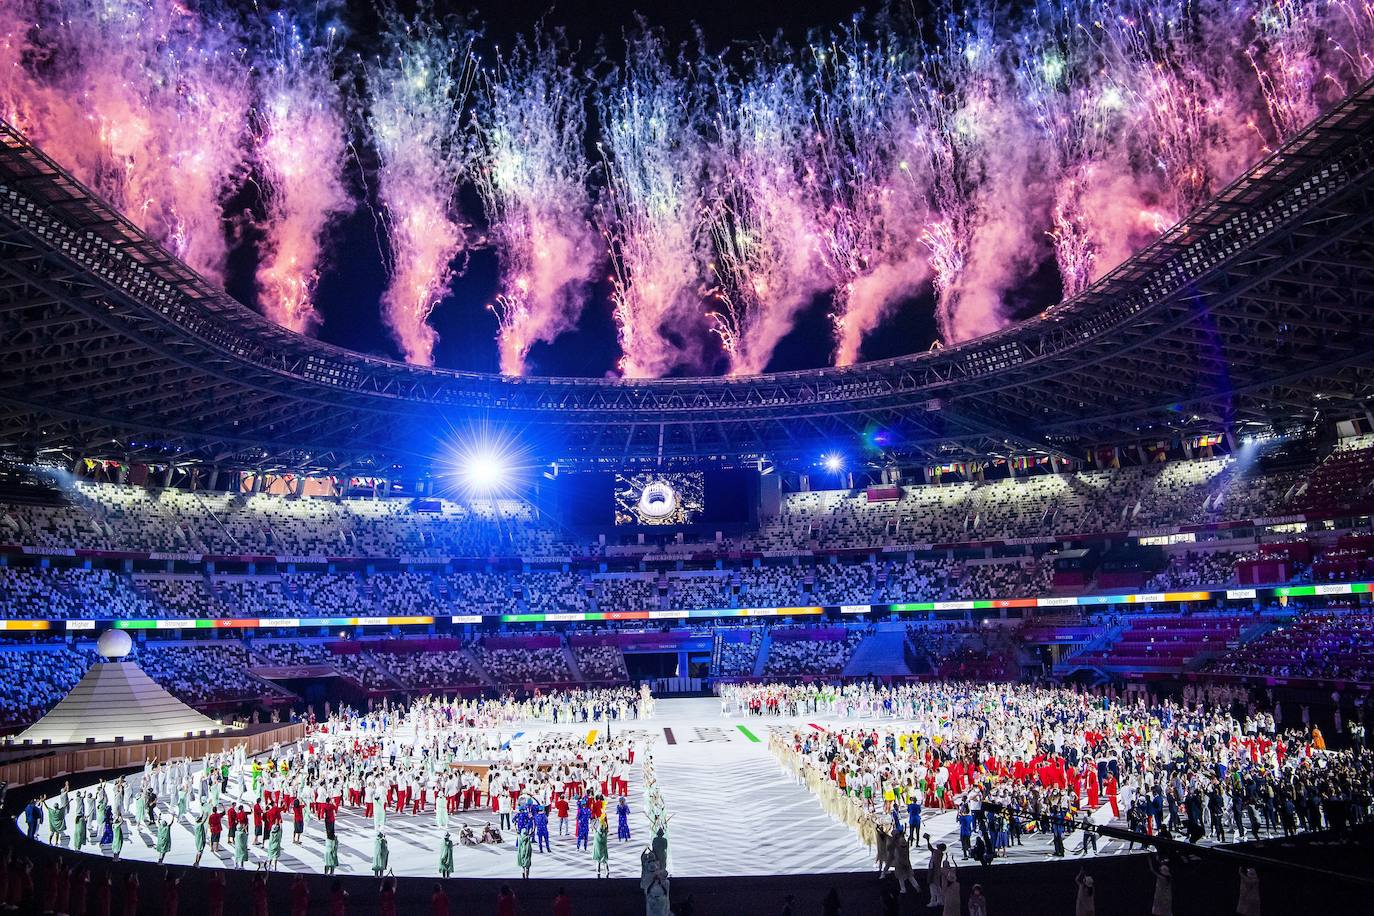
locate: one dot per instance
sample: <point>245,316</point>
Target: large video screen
<point>659,498</point>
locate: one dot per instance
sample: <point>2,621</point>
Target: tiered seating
<point>260,597</point>
<point>36,679</point>
<point>525,666</point>
<point>837,583</point>
<point>1169,493</point>
<point>1002,580</point>
<point>102,593</point>
<point>405,594</point>
<point>1324,644</point>
<point>806,656</point>
<point>1195,568</point>
<point>115,517</point>
<point>620,593</point>
<point>916,580</point>
<point>601,663</point>
<point>479,593</point>
<point>1341,483</point>
<point>429,670</point>
<point>554,592</point>
<point>364,668</point>
<point>203,673</point>
<point>51,526</point>
<point>1167,641</point>
<point>187,596</point>
<point>292,654</point>
<point>333,594</point>
<point>699,590</point>
<point>737,658</point>
<point>962,651</point>
<point>477,529</point>
<point>29,593</point>
<point>972,663</point>
<point>767,586</point>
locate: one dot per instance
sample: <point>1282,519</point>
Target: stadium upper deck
<point>1251,313</point>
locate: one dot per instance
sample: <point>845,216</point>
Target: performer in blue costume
<point>524,817</point>
<point>584,822</point>
<point>622,820</point>
<point>541,829</point>
<point>913,817</point>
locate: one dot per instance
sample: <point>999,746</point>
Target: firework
<point>1352,39</point>
<point>984,164</point>
<point>1080,115</point>
<point>1191,130</point>
<point>651,209</point>
<point>531,173</point>
<point>145,101</point>
<point>300,145</point>
<point>417,93</point>
<point>19,91</point>
<point>873,160</point>
<point>1286,57</point>
<point>866,198</point>
<point>766,247</point>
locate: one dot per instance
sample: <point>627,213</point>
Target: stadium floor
<point>735,812</point>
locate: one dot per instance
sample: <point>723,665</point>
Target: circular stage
<point>735,812</point>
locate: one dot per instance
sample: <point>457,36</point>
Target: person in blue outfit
<point>965,829</point>
<point>913,817</point>
<point>524,818</point>
<point>622,820</point>
<point>584,823</point>
<point>541,829</point>
<point>31,819</point>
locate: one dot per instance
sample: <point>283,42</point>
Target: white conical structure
<point>117,700</point>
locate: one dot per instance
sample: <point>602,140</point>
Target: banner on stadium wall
<point>1050,601</point>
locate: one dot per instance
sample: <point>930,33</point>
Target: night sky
<point>353,277</point>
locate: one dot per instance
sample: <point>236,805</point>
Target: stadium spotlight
<point>486,463</point>
<point>833,463</point>
<point>482,470</point>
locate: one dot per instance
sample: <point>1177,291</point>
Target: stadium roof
<point>1252,314</point>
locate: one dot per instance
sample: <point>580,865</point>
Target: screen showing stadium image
<point>659,498</point>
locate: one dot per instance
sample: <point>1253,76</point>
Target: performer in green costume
<point>601,854</point>
<point>164,838</point>
<point>381,855</point>
<point>524,854</point>
<point>446,857</point>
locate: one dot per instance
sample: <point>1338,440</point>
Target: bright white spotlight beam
<point>483,471</point>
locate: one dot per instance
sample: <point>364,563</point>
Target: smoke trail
<point>531,173</point>
<point>866,198</point>
<point>651,209</point>
<point>1191,126</point>
<point>766,245</point>
<point>417,91</point>
<point>864,168</point>
<point>20,93</point>
<point>1352,37</point>
<point>984,164</point>
<point>1286,56</point>
<point>1081,116</point>
<point>300,145</point>
<point>145,100</point>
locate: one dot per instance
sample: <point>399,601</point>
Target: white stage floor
<point>734,812</point>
